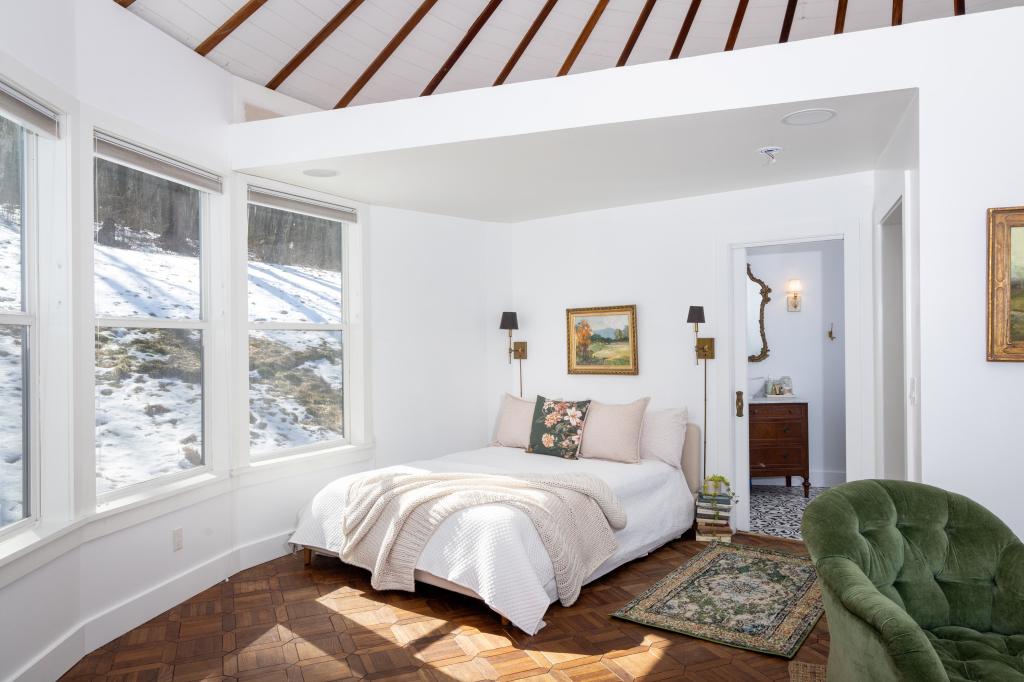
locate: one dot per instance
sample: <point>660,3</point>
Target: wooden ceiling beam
<point>588,28</point>
<point>227,28</point>
<point>684,30</point>
<point>840,17</point>
<point>897,12</point>
<point>959,7</point>
<point>386,53</point>
<point>461,47</point>
<point>787,21</point>
<point>525,42</point>
<point>638,28</point>
<point>737,21</point>
<point>314,42</point>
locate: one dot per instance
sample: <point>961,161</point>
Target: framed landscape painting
<point>602,340</point>
<point>1006,284</point>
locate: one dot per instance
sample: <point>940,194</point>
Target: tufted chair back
<point>942,558</point>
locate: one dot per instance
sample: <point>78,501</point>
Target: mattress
<point>494,550</point>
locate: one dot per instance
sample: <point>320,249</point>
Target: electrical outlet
<point>178,538</point>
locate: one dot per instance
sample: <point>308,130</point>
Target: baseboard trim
<point>99,629</point>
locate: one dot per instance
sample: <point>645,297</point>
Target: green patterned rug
<point>746,597</point>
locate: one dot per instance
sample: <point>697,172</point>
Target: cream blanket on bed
<point>389,517</point>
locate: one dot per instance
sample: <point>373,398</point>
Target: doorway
<point>892,408</point>
<point>795,371</point>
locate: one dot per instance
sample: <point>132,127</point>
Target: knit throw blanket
<point>390,517</point>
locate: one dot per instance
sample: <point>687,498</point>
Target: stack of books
<point>713,513</point>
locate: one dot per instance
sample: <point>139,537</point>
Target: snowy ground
<point>148,395</point>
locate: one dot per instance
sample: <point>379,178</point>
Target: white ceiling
<point>258,48</point>
<point>516,178</point>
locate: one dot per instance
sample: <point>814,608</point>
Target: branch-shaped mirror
<point>757,299</point>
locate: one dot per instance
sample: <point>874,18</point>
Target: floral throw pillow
<point>557,427</point>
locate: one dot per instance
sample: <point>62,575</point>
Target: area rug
<point>778,510</point>
<point>747,597</point>
<point>800,671</point>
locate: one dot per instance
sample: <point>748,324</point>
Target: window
<point>150,214</point>
<point>15,323</point>
<point>296,322</point>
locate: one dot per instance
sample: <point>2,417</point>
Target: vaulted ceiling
<point>336,53</point>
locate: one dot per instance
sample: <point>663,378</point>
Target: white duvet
<point>494,550</point>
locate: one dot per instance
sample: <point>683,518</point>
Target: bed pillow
<point>557,427</point>
<point>514,422</point>
<point>663,434</point>
<point>612,432</point>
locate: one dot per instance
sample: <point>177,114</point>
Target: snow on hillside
<point>148,382</point>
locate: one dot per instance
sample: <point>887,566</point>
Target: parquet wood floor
<point>282,622</point>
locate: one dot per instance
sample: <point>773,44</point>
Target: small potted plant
<point>714,506</point>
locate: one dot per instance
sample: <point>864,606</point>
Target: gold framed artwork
<point>602,340</point>
<point>1006,284</point>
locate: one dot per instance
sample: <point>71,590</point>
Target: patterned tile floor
<point>777,510</point>
<point>283,622</point>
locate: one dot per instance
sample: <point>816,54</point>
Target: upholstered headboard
<point>691,457</point>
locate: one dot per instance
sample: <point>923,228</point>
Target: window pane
<point>147,245</point>
<point>149,404</point>
<point>294,267</point>
<point>12,192</point>
<point>295,388</point>
<point>13,459</point>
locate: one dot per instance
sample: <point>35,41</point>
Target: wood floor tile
<point>284,622</point>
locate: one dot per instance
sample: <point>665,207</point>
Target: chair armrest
<point>1008,605</point>
<point>896,631</point>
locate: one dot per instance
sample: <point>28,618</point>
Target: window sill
<point>303,463</point>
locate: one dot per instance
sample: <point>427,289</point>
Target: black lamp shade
<point>509,321</point>
<point>696,315</point>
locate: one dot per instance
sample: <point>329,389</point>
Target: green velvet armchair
<point>919,584</point>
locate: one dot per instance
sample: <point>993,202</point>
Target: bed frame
<point>691,470</point>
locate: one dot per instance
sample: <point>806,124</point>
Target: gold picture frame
<point>601,340</point>
<point>1005,338</point>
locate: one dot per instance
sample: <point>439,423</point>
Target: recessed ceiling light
<point>809,117</point>
<point>320,172</point>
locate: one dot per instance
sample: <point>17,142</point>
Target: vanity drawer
<point>759,411</point>
<point>775,457</point>
<point>777,430</point>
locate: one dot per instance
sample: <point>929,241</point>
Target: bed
<point>493,552</point>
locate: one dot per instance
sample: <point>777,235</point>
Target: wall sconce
<point>516,350</point>
<point>705,350</point>
<point>793,299</point>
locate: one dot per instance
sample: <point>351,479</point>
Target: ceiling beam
<point>525,42</point>
<point>787,22</point>
<point>124,3</point>
<point>386,53</point>
<point>959,7</point>
<point>684,31</point>
<point>588,28</point>
<point>234,21</point>
<point>897,12</point>
<point>315,42</point>
<point>737,21</point>
<point>840,17</point>
<point>461,47</point>
<point>638,28</point>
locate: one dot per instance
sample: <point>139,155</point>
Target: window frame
<point>343,326</point>
<point>203,324</point>
<point>28,319</point>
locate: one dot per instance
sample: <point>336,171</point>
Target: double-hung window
<point>297,323</point>
<point>151,221</point>
<point>23,121</point>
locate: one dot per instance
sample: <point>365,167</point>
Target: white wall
<point>800,349</point>
<point>98,577</point>
<point>663,257</point>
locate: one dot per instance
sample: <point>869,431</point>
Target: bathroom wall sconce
<point>516,349</point>
<point>793,298</point>
<point>704,348</point>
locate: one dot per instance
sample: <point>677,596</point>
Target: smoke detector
<point>809,117</point>
<point>770,153</point>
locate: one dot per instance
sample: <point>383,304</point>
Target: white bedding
<point>495,551</point>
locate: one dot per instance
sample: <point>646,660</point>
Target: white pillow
<point>514,422</point>
<point>663,434</point>
<point>613,431</point>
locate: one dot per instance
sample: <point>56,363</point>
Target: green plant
<point>715,486</point>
